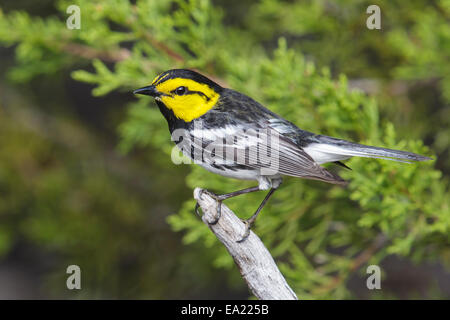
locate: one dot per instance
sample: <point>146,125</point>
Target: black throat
<point>172,120</point>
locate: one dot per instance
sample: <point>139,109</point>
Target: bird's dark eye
<point>180,90</point>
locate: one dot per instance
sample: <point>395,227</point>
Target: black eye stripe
<point>199,93</point>
<point>191,92</point>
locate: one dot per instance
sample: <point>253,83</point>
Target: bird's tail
<point>331,149</point>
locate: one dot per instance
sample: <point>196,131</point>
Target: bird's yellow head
<point>187,93</point>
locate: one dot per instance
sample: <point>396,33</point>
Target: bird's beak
<point>149,91</point>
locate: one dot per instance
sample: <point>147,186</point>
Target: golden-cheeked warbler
<point>229,133</point>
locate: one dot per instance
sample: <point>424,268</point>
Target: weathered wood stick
<point>254,261</point>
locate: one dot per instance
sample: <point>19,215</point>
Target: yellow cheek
<point>190,106</point>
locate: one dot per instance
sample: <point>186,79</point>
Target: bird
<point>230,134</point>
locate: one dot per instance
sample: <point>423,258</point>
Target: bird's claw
<point>219,207</point>
<point>248,224</point>
<point>197,206</point>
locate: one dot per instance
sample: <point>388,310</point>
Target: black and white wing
<point>263,148</point>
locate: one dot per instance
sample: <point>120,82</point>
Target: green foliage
<point>389,199</point>
<point>413,46</point>
<point>319,233</point>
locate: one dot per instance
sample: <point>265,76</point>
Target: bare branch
<point>254,261</point>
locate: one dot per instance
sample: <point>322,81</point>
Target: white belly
<point>236,174</point>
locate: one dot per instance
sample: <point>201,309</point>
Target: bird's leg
<point>222,197</point>
<point>249,222</point>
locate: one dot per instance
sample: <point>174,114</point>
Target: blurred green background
<point>85,170</point>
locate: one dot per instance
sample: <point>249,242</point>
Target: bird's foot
<point>248,225</point>
<point>219,206</point>
<point>197,212</point>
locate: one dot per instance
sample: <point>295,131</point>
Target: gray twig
<point>254,261</point>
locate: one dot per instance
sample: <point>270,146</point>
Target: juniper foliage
<point>289,56</point>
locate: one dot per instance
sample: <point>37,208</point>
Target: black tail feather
<point>339,163</point>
